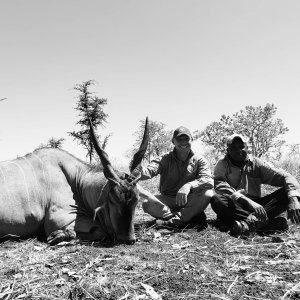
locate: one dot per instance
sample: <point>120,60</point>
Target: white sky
<point>179,62</point>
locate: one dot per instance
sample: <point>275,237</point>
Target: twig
<point>255,245</point>
<point>177,257</point>
<point>251,297</point>
<point>256,272</point>
<point>32,280</point>
<point>87,292</point>
<point>291,290</point>
<point>232,284</point>
<point>125,296</point>
<point>219,297</point>
<point>12,289</point>
<point>153,277</point>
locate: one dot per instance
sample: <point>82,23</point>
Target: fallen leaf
<point>261,276</point>
<point>65,270</point>
<point>102,279</point>
<point>182,245</point>
<point>219,273</point>
<point>151,292</point>
<point>60,282</point>
<point>38,248</point>
<point>99,269</point>
<point>18,276</point>
<point>64,243</point>
<point>244,269</point>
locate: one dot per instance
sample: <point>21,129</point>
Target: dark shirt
<point>174,173</point>
<point>229,179</point>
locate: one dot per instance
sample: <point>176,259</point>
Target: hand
<point>181,197</point>
<point>166,213</point>
<point>294,210</point>
<point>258,210</point>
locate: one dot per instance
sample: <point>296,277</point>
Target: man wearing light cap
<point>185,184</point>
<point>238,201</point>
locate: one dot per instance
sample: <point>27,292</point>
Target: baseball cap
<point>231,138</point>
<point>182,131</point>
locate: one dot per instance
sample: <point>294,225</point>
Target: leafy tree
<point>214,133</point>
<point>258,124</point>
<point>89,107</point>
<point>56,143</point>
<point>159,138</point>
<point>290,160</point>
<point>52,143</point>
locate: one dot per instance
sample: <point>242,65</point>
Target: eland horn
<point>108,170</point>
<point>138,156</point>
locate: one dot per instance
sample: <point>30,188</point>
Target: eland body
<point>52,192</point>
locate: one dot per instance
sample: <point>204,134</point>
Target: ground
<point>193,263</point>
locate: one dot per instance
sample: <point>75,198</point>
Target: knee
<point>209,194</point>
<point>146,206</point>
<point>156,209</point>
<point>215,200</point>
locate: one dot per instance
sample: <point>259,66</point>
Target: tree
<point>258,124</point>
<point>56,143</point>
<point>89,107</point>
<point>52,143</point>
<point>214,133</point>
<point>159,139</point>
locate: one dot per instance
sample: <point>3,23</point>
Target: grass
<point>163,264</point>
<point>193,263</point>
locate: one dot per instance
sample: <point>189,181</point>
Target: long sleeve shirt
<point>230,179</point>
<point>174,173</point>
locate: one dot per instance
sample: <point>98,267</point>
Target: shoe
<point>150,223</point>
<point>161,223</point>
<point>250,224</point>
<point>239,228</point>
<point>277,224</point>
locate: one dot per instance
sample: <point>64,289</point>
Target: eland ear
<point>97,209</point>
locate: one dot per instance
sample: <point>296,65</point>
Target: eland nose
<point>130,241</point>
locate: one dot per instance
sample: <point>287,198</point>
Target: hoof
<point>61,235</point>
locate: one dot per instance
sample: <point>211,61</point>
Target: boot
<point>250,224</point>
<point>277,224</point>
<point>169,223</point>
<point>239,228</point>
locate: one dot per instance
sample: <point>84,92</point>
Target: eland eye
<point>127,195</point>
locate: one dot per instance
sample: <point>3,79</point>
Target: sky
<point>180,62</point>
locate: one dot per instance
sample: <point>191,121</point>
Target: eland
<point>53,193</point>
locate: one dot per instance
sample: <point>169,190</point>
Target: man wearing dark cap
<point>238,201</point>
<point>185,184</point>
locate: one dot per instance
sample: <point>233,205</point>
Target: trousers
<point>228,210</point>
<point>196,204</point>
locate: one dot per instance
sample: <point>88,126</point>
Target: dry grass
<point>163,264</point>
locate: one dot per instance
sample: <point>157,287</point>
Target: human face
<point>182,144</point>
<point>238,150</point>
